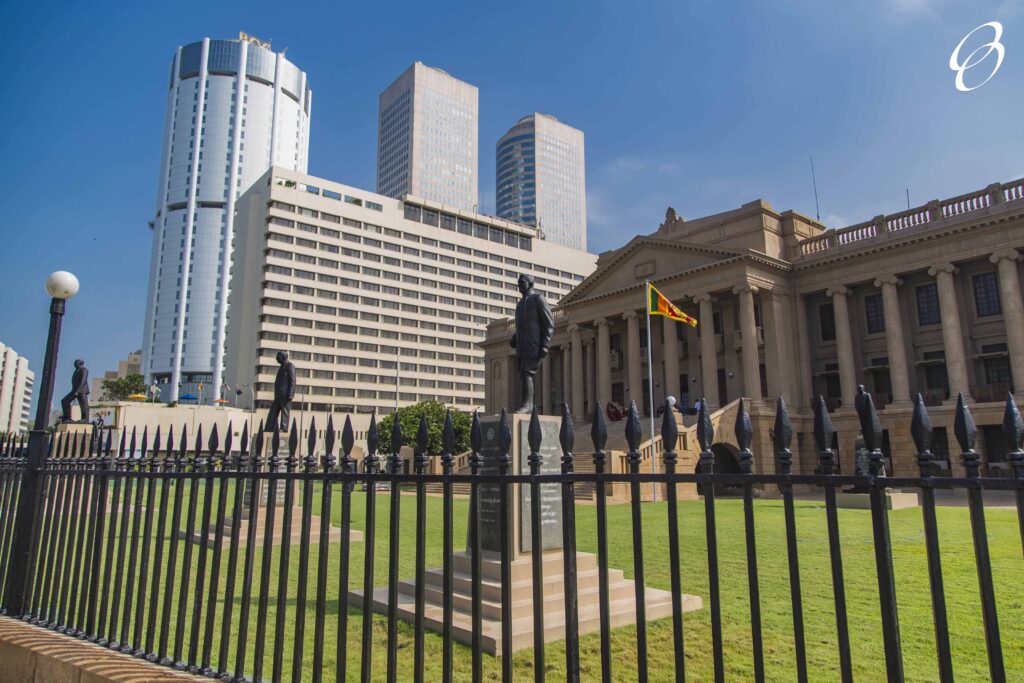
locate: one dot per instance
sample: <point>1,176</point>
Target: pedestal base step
<point>622,603</point>
<point>895,500</point>
<point>295,537</point>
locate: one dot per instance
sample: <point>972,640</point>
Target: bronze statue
<point>534,325</point>
<point>79,392</point>
<point>284,392</point>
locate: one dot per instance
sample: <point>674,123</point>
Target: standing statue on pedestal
<point>79,392</point>
<point>534,325</point>
<point>284,392</point>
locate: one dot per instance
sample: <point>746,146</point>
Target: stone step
<point>622,608</point>
<point>554,596</point>
<point>295,536</point>
<point>622,612</point>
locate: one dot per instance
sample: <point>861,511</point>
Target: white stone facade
<point>380,302</point>
<point>16,385</point>
<point>540,179</point>
<point>234,109</point>
<point>427,138</point>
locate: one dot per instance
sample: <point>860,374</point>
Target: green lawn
<point>966,632</point>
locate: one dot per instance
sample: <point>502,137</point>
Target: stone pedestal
<point>260,488</point>
<point>78,432</point>
<point>620,590</point>
<point>334,533</point>
<point>895,500</point>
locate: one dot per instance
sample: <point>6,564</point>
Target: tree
<point>121,388</point>
<point>409,419</point>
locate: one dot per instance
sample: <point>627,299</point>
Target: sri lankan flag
<point>658,304</point>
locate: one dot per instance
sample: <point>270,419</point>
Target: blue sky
<point>698,104</point>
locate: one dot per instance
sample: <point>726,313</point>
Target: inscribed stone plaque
<point>861,462</point>
<point>490,494</point>
<point>550,494</point>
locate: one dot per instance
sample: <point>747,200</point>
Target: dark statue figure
<point>284,392</point>
<point>79,392</point>
<point>534,325</point>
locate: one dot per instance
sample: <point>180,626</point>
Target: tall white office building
<point>16,385</point>
<point>541,181</point>
<point>427,138</point>
<point>234,109</point>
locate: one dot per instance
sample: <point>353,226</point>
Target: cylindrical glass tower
<point>234,109</point>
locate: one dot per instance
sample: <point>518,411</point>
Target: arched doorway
<point>726,462</point>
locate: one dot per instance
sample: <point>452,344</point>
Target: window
<point>986,295</point>
<point>928,305</point>
<point>875,312</point>
<point>827,321</point>
<point>997,371</point>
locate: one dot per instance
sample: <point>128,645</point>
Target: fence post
<point>823,433</point>
<point>16,592</point>
<point>871,430</point>
<point>669,440</point>
<point>921,431</point>
<point>1013,434</point>
<point>966,434</point>
<point>744,433</point>
<point>783,435</point>
<point>706,464</point>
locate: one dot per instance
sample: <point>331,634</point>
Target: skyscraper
<point>540,179</point>
<point>234,109</point>
<point>427,138</point>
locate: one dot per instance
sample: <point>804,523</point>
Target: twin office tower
<point>235,108</point>
<point>427,147</point>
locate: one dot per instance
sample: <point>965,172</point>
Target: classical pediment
<point>647,258</point>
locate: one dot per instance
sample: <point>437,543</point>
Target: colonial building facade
<point>924,301</point>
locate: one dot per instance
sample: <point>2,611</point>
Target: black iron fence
<point>174,548</point>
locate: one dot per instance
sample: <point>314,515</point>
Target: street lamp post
<point>61,286</point>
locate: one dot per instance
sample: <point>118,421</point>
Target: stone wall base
<point>29,654</point>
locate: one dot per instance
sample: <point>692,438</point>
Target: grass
<point>915,614</point>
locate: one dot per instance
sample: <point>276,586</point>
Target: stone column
<point>604,362</point>
<point>748,334</point>
<point>1013,311</point>
<point>897,349</point>
<point>576,395</point>
<point>708,354</point>
<point>545,387</point>
<point>566,364</point>
<point>670,352</point>
<point>804,393</point>
<point>591,360</point>
<point>844,344</point>
<point>952,336</point>
<point>634,368</point>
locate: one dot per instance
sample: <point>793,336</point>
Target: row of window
<point>986,304</point>
<point>413,237</point>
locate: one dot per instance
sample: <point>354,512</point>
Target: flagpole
<point>650,385</point>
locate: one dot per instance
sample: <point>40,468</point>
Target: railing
<point>915,217</point>
<point>141,549</point>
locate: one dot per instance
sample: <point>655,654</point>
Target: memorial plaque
<point>861,461</point>
<point>490,494</point>
<point>550,494</point>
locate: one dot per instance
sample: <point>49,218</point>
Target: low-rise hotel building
<point>923,301</point>
<point>379,302</point>
<point>16,385</point>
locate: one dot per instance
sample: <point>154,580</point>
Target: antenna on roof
<point>908,199</point>
<point>817,209</point>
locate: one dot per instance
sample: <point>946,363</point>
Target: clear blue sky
<point>698,104</point>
